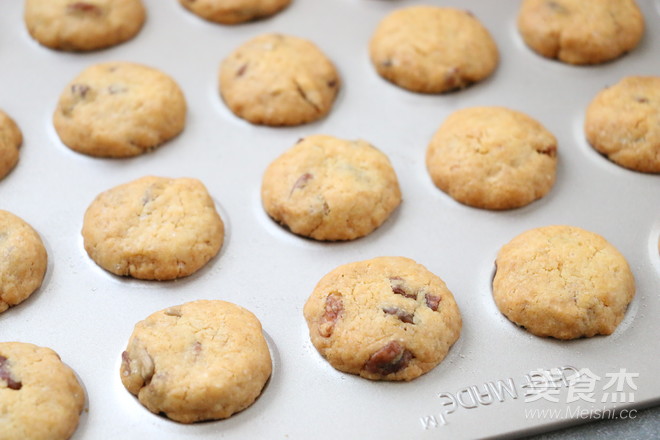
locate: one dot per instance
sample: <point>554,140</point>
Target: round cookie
<point>623,123</point>
<point>153,228</point>
<point>431,49</point>
<point>387,318</point>
<point>581,31</point>
<point>276,80</point>
<point>11,139</point>
<point>492,158</point>
<point>23,262</point>
<point>234,11</point>
<point>83,25</point>
<point>330,189</point>
<point>40,397</point>
<point>119,109</point>
<point>562,281</point>
<point>202,360</point>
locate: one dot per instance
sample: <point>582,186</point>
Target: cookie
<point>40,397</point>
<point>327,188</point>
<point>83,25</point>
<point>492,158</point>
<point>234,11</point>
<point>623,123</point>
<point>563,282</point>
<point>23,262</point>
<point>119,109</point>
<point>431,49</point>
<point>202,360</point>
<point>153,228</point>
<point>11,139</point>
<point>387,318</point>
<point>581,31</point>
<point>276,80</point>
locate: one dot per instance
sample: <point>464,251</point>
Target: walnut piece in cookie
<point>234,11</point>
<point>11,139</point>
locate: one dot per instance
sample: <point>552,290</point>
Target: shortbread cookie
<point>40,397</point>
<point>23,260</point>
<point>11,139</point>
<point>562,281</point>
<point>431,49</point>
<point>83,25</point>
<point>581,31</point>
<point>119,109</point>
<point>277,79</point>
<point>492,158</point>
<point>330,189</point>
<point>202,360</point>
<point>234,11</point>
<point>388,318</point>
<point>623,123</point>
<point>153,228</point>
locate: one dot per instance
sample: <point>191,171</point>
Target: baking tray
<point>87,314</point>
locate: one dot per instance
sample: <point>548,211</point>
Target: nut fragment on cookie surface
<point>564,282</point>
<point>11,139</point>
<point>327,188</point>
<point>234,11</point>
<point>153,228</point>
<point>387,318</point>
<point>203,360</point>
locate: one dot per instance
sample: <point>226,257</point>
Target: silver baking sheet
<point>495,380</point>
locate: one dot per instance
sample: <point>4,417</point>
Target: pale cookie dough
<point>492,158</point>
<point>276,79</point>
<point>581,31</point>
<point>119,109</point>
<point>431,49</point>
<point>153,228</point>
<point>23,260</point>
<point>83,25</point>
<point>623,123</point>
<point>330,189</point>
<point>388,318</point>
<point>40,397</point>
<point>234,11</point>
<point>202,360</point>
<point>11,139</point>
<point>562,281</point>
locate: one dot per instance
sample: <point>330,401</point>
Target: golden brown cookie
<point>11,139</point>
<point>119,109</point>
<point>562,281</point>
<point>23,260</point>
<point>431,49</point>
<point>234,11</point>
<point>387,318</point>
<point>623,123</point>
<point>581,31</point>
<point>492,158</point>
<point>83,25</point>
<point>276,79</point>
<point>330,189</point>
<point>202,360</point>
<point>40,397</point>
<point>153,228</point>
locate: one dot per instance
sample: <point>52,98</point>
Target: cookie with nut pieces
<point>234,11</point>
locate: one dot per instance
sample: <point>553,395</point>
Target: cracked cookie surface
<point>431,49</point>
<point>277,79</point>
<point>327,188</point>
<point>234,11</point>
<point>202,360</point>
<point>153,228</point>
<point>40,397</point>
<point>623,123</point>
<point>581,31</point>
<point>11,139</point>
<point>562,281</point>
<point>23,260</point>
<point>492,158</point>
<point>83,25</point>
<point>119,109</point>
<point>387,318</point>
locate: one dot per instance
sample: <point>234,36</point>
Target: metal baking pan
<point>485,386</point>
